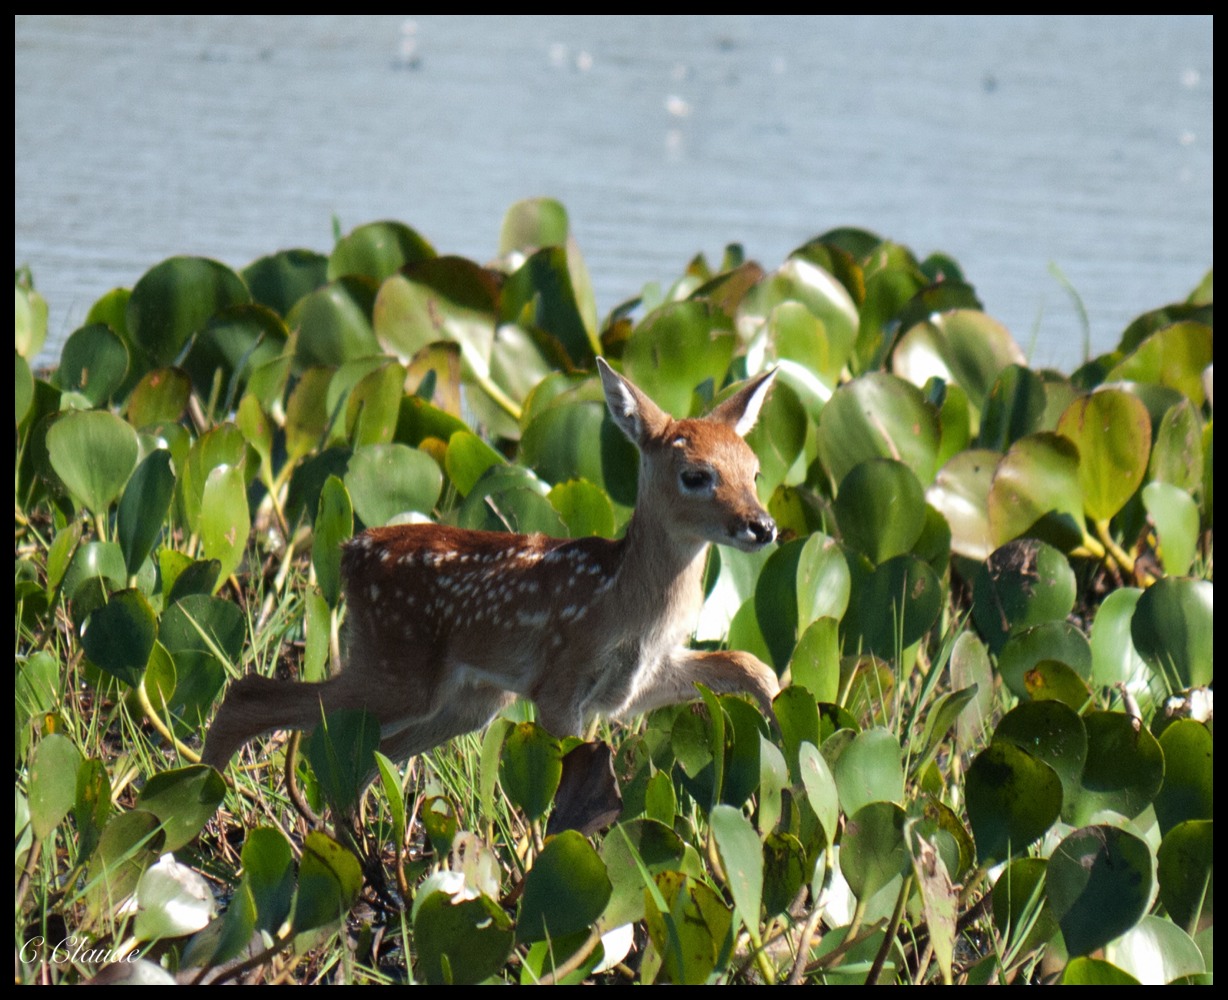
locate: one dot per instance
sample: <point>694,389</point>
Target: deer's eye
<point>697,480</point>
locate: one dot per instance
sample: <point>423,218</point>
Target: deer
<point>447,626</point>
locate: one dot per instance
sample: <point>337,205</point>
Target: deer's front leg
<point>730,671</point>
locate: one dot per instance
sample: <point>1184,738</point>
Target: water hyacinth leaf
<point>890,606</point>
<point>1021,912</point>
<point>459,941</point>
<point>870,770</point>
<point>341,750</point>
<point>784,872</point>
<point>198,576</point>
<point>1173,628</point>
<point>232,344</point>
<point>566,442</point>
<point>222,445</point>
<point>776,600</point>
<point>1188,792</point>
<point>742,859</point>
<point>1112,431</point>
<point>804,354</point>
<point>201,633</point>
<point>944,714</point>
<point>691,935</point>
<point>1016,407</point>
<point>516,508</point>
<point>174,300</point>
<point>1176,455</point>
<point>970,666</point>
<point>1052,732</point>
<point>329,881</point>
<point>676,349</point>
<point>92,806</point>
<point>530,768</point>
<point>778,438</point>
<point>584,508</point>
<point>1084,971</point>
<point>1053,680</point>
<point>534,223</point>
<point>1035,490</point>
<point>53,783</point>
<point>1098,883</point>
<point>1156,952</point>
<point>93,453</point>
<point>23,388</point>
<point>101,561</point>
<point>334,323</point>
<point>279,280</point>
<point>467,458</point>
<point>334,524</point>
<point>1023,583</point>
<point>376,250</point>
<point>1056,640</point>
<point>821,788</point>
<point>1124,769</point>
<point>1114,657</point>
<point>799,280</point>
<point>143,508</point>
<point>129,844</point>
<point>1175,515</point>
<point>939,900</point>
<point>172,900</point>
<point>815,663</point>
<point>1012,799</point>
<point>1185,865</point>
<point>119,636</point>
<point>960,493</point>
<point>225,521</point>
<point>880,509</point>
<point>798,716</point>
<point>30,326</point>
<point>444,298</point>
<point>565,891</point>
<point>93,362</point>
<point>385,480</point>
<point>184,800</point>
<point>879,416</point>
<point>873,851</point>
<point>374,406</point>
<point>657,846</point>
<point>961,346</point>
<point>159,397</point>
<point>540,293</point>
<point>1174,356</point>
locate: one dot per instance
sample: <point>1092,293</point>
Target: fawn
<point>446,626</point>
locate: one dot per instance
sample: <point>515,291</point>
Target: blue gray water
<point>1012,143</point>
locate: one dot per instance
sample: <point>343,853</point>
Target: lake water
<point>1012,143</point>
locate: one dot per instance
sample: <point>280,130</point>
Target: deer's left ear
<point>741,410</point>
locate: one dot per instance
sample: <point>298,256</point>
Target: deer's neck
<point>662,572</point>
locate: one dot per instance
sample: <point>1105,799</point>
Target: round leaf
<point>1173,628</point>
<point>174,299</point>
<point>1023,583</point>
<point>960,493</point>
<point>1051,732</point>
<point>119,636</point>
<point>93,453</point>
<point>1035,490</point>
<point>1124,770</point>
<point>1012,799</point>
<point>1185,867</point>
<point>376,250</point>
<point>94,362</point>
<point>872,850</point>
<point>1099,884</point>
<point>385,480</point>
<point>460,940</point>
<point>1188,792</point>
<point>184,800</point>
<point>880,509</point>
<point>1112,431</point>
<point>870,770</point>
<point>566,889</point>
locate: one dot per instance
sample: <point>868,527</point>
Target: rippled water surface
<point>1010,143</point>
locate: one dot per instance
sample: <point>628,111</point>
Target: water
<point>1009,142</point>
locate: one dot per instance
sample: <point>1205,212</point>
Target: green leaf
<point>1114,657</point>
<point>334,323</point>
<point>963,346</point>
<point>1112,431</point>
<point>566,890</point>
<point>1051,732</point>
<point>376,250</point>
<point>159,397</point>
<point>1012,798</point>
<point>172,900</point>
<point>821,789</point>
<point>119,636</point>
<point>960,493</point>
<point>1174,356</point>
<point>228,350</point>
<point>1014,408</point>
<point>93,362</point>
<point>655,845</point>
<point>742,859</point>
<point>1188,792</point>
<point>329,881</point>
<point>279,280</point>
<point>129,844</point>
<point>1173,628</point>
<point>460,940</point>
<point>1185,869</point>
<point>184,800</point>
<point>387,480</point>
<point>334,524</point>
<point>53,783</point>
<point>467,458</point>
<point>1021,911</point>
<point>691,934</point>
<point>891,606</point>
<point>879,416</point>
<point>225,521</point>
<point>94,454</point>
<point>1156,952</point>
<point>676,349</point>
<point>531,767</point>
<point>143,508</point>
<point>815,663</point>
<point>92,806</point>
<point>1083,971</point>
<point>1099,884</point>
<point>174,299</point>
<point>1024,583</point>
<point>342,754</point>
<point>880,509</point>
<point>541,294</point>
<point>1035,491</point>
<point>1176,519</point>
<point>1124,769</point>
<point>872,850</point>
<point>870,770</point>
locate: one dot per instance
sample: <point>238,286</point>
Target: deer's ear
<point>741,410</point>
<point>636,415</point>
